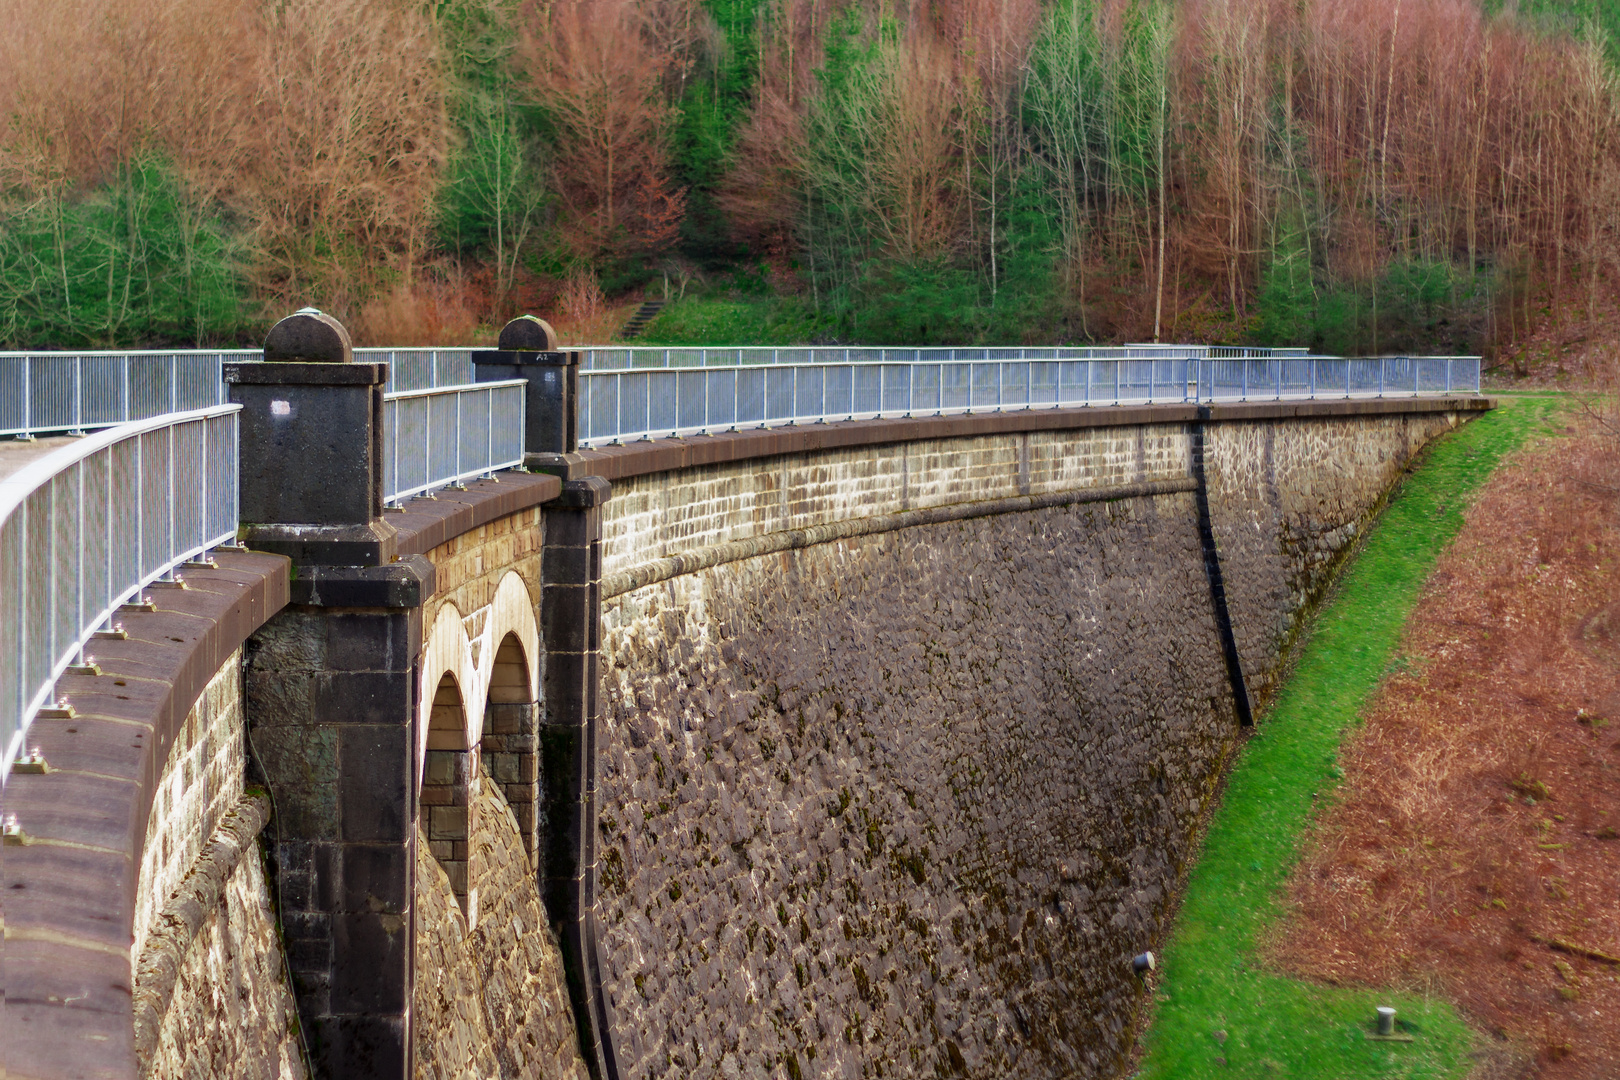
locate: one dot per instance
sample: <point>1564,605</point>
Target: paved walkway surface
<point>15,453</point>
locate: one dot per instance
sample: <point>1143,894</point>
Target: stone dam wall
<point>904,803</point>
<point>489,998</point>
<point>210,985</point>
<point>892,752</point>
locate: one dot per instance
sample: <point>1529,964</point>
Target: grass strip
<point>1218,1013</point>
<point>717,321</point>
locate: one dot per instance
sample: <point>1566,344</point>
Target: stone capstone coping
<point>647,456</point>
<point>650,573</point>
<point>69,891</point>
<point>425,523</point>
<point>201,893</point>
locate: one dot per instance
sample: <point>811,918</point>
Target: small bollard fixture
<point>1385,1030</point>
<point>33,762</point>
<point>1141,965</point>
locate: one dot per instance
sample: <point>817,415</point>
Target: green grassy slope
<point>1276,1026</point>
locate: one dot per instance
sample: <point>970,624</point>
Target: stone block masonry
<point>904,803</point>
<point>489,999</point>
<point>1288,500</point>
<point>210,988</point>
<point>211,996</point>
<point>330,696</point>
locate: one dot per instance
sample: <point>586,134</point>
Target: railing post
<point>527,349</point>
<point>330,691</point>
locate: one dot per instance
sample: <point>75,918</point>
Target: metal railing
<point>444,436</point>
<point>641,403</point>
<point>607,358</point>
<point>421,369</point>
<point>87,528</point>
<point>76,392</point>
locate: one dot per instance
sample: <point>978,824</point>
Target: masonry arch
<point>448,650</point>
<point>449,772</point>
<point>510,740</point>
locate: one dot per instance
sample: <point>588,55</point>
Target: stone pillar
<point>570,625</point>
<point>331,692</point>
<point>527,349</point>
<point>311,446</point>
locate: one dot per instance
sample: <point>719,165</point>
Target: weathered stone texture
<point>491,1002</point>
<point>232,1015</point>
<point>1286,501</point>
<point>202,779</point>
<point>660,514</point>
<point>469,567</point>
<point>905,805</point>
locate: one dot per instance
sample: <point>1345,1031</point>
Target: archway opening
<point>510,740</point>
<point>447,779</point>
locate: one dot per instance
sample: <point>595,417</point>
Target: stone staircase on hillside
<point>645,314</point>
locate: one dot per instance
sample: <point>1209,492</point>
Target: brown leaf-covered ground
<point>1476,824</point>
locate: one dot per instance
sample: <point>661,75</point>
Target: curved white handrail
<point>87,527</point>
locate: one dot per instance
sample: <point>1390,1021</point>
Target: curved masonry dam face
<point>851,750</point>
<point>906,803</point>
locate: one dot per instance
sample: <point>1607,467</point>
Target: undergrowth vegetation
<point>1219,1010</point>
<point>1361,176</point>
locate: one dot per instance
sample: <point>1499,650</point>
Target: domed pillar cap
<point>308,336</point>
<point>527,334</point>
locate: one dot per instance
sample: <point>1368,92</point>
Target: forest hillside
<point>1362,176</point>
